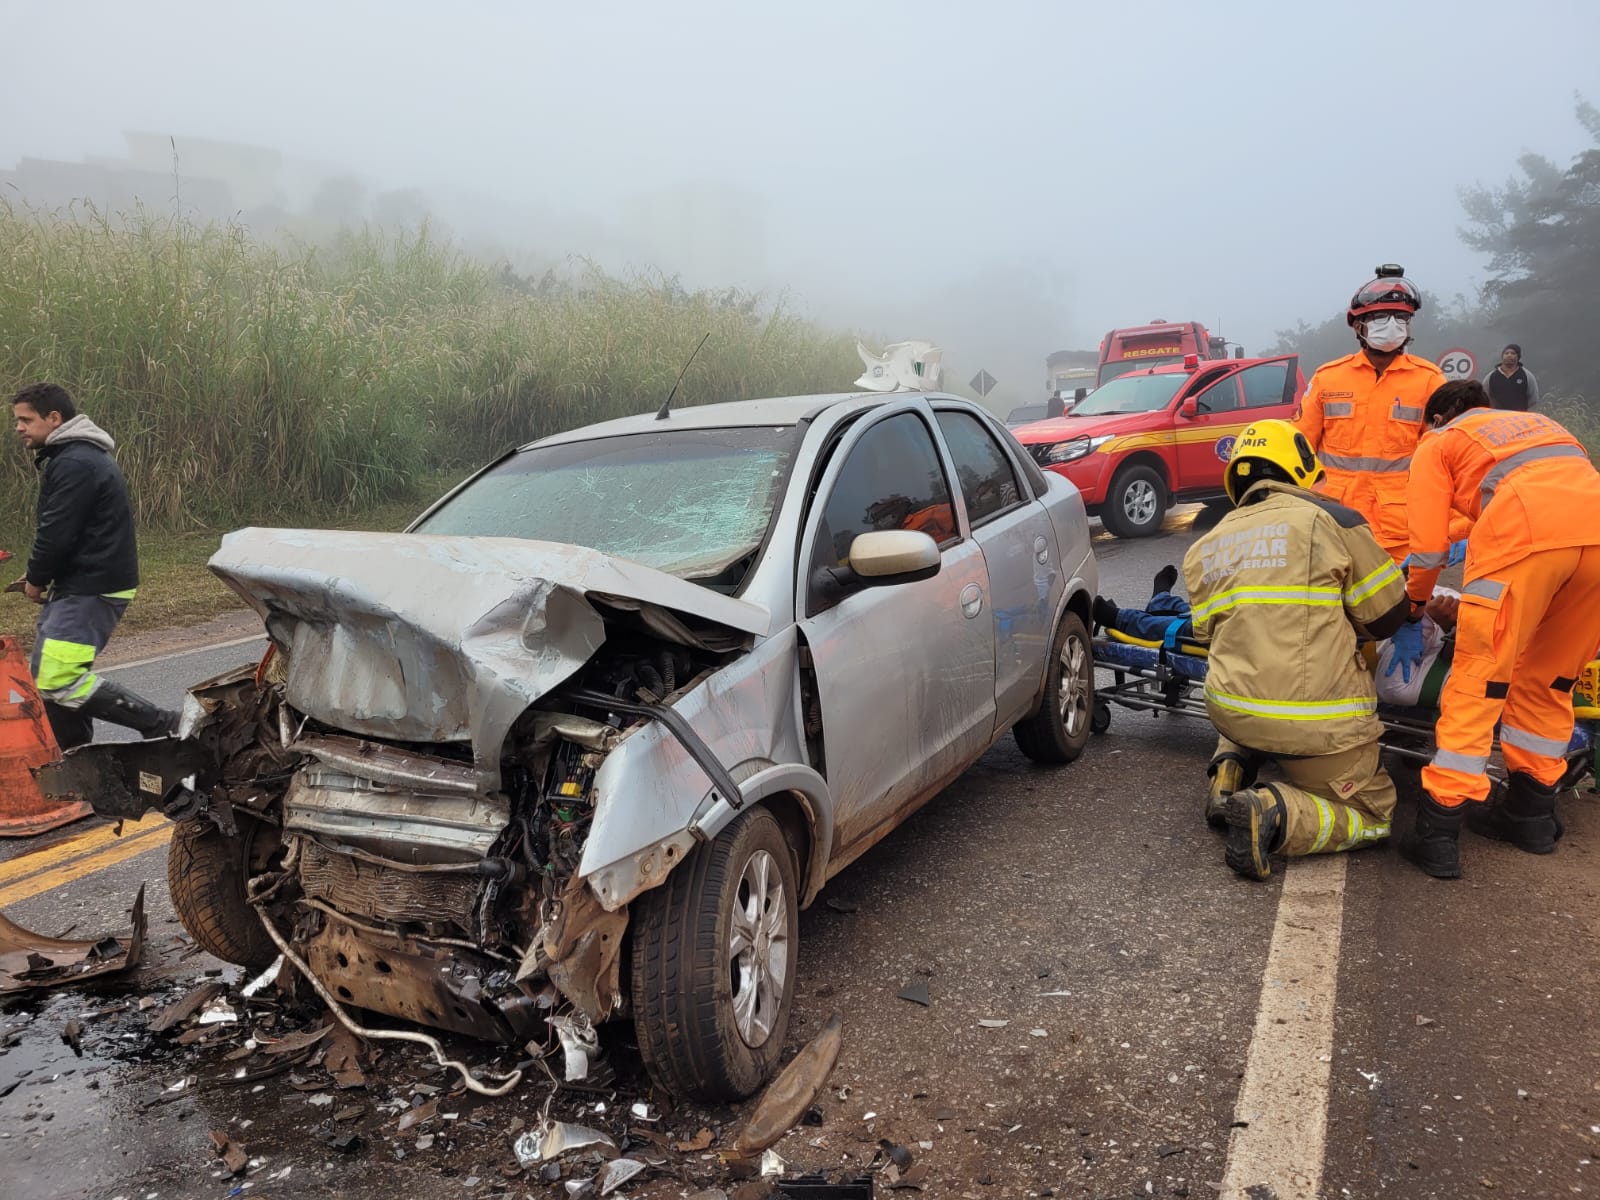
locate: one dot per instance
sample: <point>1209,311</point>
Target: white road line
<point>1282,1113</point>
<point>145,662</point>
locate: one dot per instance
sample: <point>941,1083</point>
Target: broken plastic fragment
<point>618,1172</point>
<point>218,1012</point>
<point>917,992</point>
<point>771,1165</point>
<point>645,1111</point>
<point>262,981</point>
<point>795,1089</point>
<point>558,1138</point>
<point>579,1043</point>
<point>992,1023</point>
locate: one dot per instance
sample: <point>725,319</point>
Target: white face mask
<point>1387,332</point>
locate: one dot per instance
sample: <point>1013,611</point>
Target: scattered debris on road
<point>31,961</point>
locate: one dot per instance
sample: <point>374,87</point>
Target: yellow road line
<point>88,864</point>
<point>75,847</point>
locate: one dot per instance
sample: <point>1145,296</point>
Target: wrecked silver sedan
<point>581,742</point>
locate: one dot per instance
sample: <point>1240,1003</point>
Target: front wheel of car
<point>1136,503</point>
<point>714,963</point>
<point>1059,731</point>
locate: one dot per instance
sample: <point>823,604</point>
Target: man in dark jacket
<point>83,569</point>
<point>1511,385</point>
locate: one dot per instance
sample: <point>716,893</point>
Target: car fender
<point>1077,596</point>
<point>619,882</point>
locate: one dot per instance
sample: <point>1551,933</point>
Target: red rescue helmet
<point>1391,291</point>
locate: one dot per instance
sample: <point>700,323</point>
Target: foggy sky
<point>1008,178</point>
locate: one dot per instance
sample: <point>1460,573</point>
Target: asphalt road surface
<point>1350,1028</point>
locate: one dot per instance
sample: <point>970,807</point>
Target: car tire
<point>1135,503</point>
<point>711,1019</point>
<point>1059,731</point>
<point>206,876</point>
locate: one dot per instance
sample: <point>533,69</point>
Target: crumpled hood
<point>80,429</point>
<point>423,638</point>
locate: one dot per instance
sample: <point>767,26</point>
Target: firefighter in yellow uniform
<point>1283,589</point>
<point>1362,413</point>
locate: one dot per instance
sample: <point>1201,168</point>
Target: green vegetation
<point>249,383</point>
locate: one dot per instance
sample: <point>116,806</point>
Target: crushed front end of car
<point>417,795</point>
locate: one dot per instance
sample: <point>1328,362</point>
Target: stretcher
<point>1168,677</point>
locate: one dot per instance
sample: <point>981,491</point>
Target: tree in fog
<point>1541,234</point>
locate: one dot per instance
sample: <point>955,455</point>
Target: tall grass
<point>244,381</point>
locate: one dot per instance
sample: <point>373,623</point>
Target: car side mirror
<point>1189,409</point>
<point>880,559</point>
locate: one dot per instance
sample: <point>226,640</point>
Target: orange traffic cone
<point>26,742</point>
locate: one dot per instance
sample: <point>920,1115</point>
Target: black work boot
<point>115,703</point>
<point>1525,816</point>
<point>1166,579</point>
<point>1255,829</point>
<point>1104,612</point>
<point>70,727</point>
<point>1433,842</point>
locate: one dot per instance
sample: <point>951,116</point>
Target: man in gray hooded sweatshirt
<point>83,568</point>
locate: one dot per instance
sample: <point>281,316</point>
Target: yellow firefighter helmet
<point>1270,450</point>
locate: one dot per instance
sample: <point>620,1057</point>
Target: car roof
<point>775,411</point>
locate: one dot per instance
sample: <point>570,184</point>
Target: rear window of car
<point>693,502</point>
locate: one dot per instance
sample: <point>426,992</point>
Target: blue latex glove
<point>1458,553</point>
<point>1407,650</point>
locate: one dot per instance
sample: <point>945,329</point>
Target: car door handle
<point>1041,550</point>
<point>971,600</point>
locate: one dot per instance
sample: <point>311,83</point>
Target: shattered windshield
<point>693,502</point>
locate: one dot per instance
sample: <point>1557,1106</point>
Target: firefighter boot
<point>1229,774</point>
<point>1525,816</point>
<point>1433,842</point>
<point>1255,828</point>
<point>115,703</point>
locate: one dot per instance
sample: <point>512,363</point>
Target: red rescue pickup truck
<point>1147,439</point>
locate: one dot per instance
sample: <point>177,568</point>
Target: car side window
<point>984,471</point>
<point>1220,397</point>
<point>892,479</point>
<point>1267,385</point>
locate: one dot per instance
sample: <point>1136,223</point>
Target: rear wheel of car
<point>1136,502</point>
<point>1059,731</point>
<point>206,875</point>
<point>714,963</point>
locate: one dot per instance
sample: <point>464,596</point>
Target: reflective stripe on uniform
<point>1234,597</point>
<point>1324,825</point>
<point>1295,710</point>
<point>1468,764</point>
<point>1338,408</point>
<point>1406,412</point>
<point>1351,462</point>
<point>62,664</point>
<point>1371,585</point>
<point>1532,742</point>
<point>1489,589</point>
<point>1426,562</point>
<point>1505,466</point>
<point>127,595</point>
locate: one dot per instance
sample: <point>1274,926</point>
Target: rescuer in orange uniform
<point>1528,621</point>
<point>1362,413</point>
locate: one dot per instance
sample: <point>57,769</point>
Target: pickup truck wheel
<point>1059,731</point>
<point>1136,502</point>
<point>206,875</point>
<point>714,963</point>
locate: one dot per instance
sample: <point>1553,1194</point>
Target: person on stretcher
<point>1165,619</point>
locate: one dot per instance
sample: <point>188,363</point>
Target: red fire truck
<point>1157,344</point>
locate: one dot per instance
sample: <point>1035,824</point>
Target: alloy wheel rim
<point>758,948</point>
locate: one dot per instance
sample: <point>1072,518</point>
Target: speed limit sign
<point>1458,364</point>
